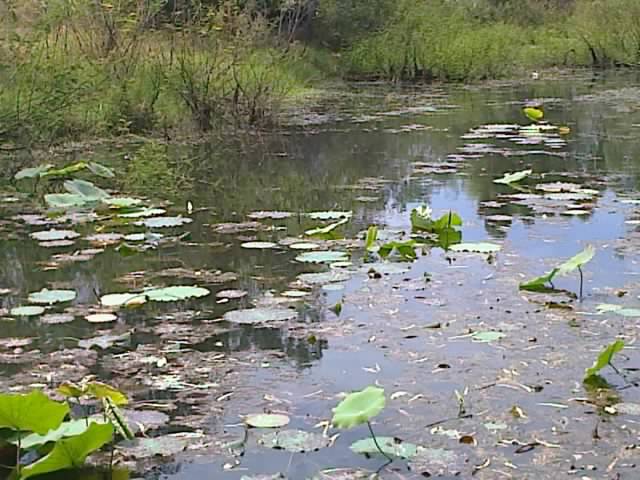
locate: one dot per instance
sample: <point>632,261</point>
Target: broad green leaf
<point>27,311</point>
<point>100,170</point>
<point>65,200</point>
<point>359,407</point>
<point>65,430</point>
<point>123,299</point>
<point>122,202</point>
<point>447,221</point>
<point>295,441</point>
<point>604,359</point>
<point>328,230</point>
<point>267,420</point>
<point>102,390</point>
<point>64,171</point>
<point>389,445</point>
<point>539,284</point>
<point>372,236</point>
<point>50,297</point>
<point>116,418</point>
<point>513,177</point>
<point>85,189</point>
<point>32,172</point>
<point>175,293</point>
<point>71,452</point>
<point>577,261</point>
<point>72,390</point>
<point>33,412</point>
<point>406,250</point>
<point>322,257</point>
<point>421,219</point>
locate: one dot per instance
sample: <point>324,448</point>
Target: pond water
<point>512,407</point>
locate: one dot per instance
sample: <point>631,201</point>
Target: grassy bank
<point>72,69</point>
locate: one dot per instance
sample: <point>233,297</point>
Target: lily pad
<point>28,311</point>
<point>482,247</point>
<point>32,172</point>
<point>165,222</point>
<point>176,293</point>
<point>165,446</point>
<point>50,297</point>
<point>144,212</point>
<point>51,235</point>
<point>486,337</point>
<point>304,246</point>
<point>260,315</point>
<point>513,177</point>
<point>359,407</point>
<point>100,170</point>
<point>232,294</point>
<point>389,445</point>
<point>64,200</point>
<point>259,245</point>
<point>122,202</point>
<point>295,441</point>
<point>266,420</point>
<point>85,189</point>
<point>322,278</point>
<point>325,256</point>
<point>123,299</point>
<point>101,318</point>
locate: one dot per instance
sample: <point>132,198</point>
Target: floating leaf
<point>100,170</point>
<point>260,315</point>
<point>265,420</point>
<point>577,261</point>
<point>85,189</point>
<point>359,407</point>
<point>51,235</point>
<point>120,299</point>
<point>71,452</point>
<point>50,297</point>
<point>295,441</point>
<point>144,212</point>
<point>64,200</point>
<point>164,222</point>
<point>322,278</point>
<point>389,445</point>
<point>28,311</point>
<point>68,389</point>
<point>513,177</point>
<point>619,310</point>
<point>165,446</point>
<point>259,245</point>
<point>325,256</point>
<point>304,246</point>
<point>481,247</point>
<point>31,412</point>
<point>330,215</point>
<point>176,293</point>
<point>122,202</point>
<point>327,231</point>
<point>604,359</point>
<point>486,337</point>
<point>102,390</point>
<point>32,172</point>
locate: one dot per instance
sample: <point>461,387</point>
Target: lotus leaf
<point>539,283</point>
<point>64,200</point>
<point>102,390</point>
<point>71,452</point>
<point>324,277</point>
<point>50,235</point>
<point>32,172</point>
<point>164,222</point>
<point>325,256</point>
<point>359,407</point>
<point>100,170</point>
<point>486,337</point>
<point>32,412</point>
<point>389,445</point>
<point>144,212</point>
<point>259,245</point>
<point>295,441</point>
<point>66,429</point>
<point>604,358</point>
<point>28,311</point>
<point>120,299</point>
<point>85,189</point>
<point>513,177</point>
<point>50,297</point>
<point>265,420</point>
<point>304,246</point>
<point>122,202</point>
<point>260,315</point>
<point>577,261</point>
<point>176,293</point>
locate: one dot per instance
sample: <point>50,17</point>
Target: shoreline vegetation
<point>72,69</point>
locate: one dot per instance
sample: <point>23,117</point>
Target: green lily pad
<point>295,441</point>
<point>481,247</point>
<point>486,337</point>
<point>325,256</point>
<point>252,316</point>
<point>71,452</point>
<point>143,212</point>
<point>176,293</point>
<point>28,311</point>
<point>304,246</point>
<point>85,189</point>
<point>100,170</point>
<point>576,261</point>
<point>50,297</point>
<point>64,200</point>
<point>31,412</point>
<point>259,245</point>
<point>513,177</point>
<point>313,279</point>
<point>165,446</point>
<point>51,235</point>
<point>266,420</point>
<point>122,202</point>
<point>165,222</point>
<point>359,407</point>
<point>330,215</point>
<point>101,318</point>
<point>389,445</point>
<point>122,299</point>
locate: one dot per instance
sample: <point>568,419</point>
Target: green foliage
<point>359,407</point>
<point>514,177</point>
<point>406,250</point>
<point>372,236</point>
<point>32,412</point>
<point>328,232</point>
<point>574,263</point>
<point>604,359</point>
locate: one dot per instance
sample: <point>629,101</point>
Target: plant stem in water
<point>581,281</point>
<point>375,441</point>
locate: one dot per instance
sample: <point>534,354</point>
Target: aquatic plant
<point>445,229</point>
<point>603,360</point>
<point>358,408</point>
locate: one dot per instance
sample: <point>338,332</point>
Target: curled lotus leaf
<point>64,200</point>
<point>359,407</point>
<point>85,189</point>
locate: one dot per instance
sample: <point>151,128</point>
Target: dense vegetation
<point>71,68</point>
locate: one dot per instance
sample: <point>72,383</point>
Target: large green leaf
<point>85,189</point>
<point>406,250</point>
<point>71,452</point>
<point>359,407</point>
<point>421,219</point>
<point>577,261</point>
<point>66,170</point>
<point>389,445</point>
<point>604,359</point>
<point>100,170</point>
<point>50,297</point>
<point>65,430</point>
<point>372,236</point>
<point>176,293</point>
<point>64,200</point>
<point>33,412</point>
<point>539,284</point>
<point>447,221</point>
<point>513,177</point>
<point>102,390</point>
<point>32,172</point>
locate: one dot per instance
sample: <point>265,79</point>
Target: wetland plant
<point>444,229</point>
<point>359,408</point>
<point>604,359</point>
<point>576,262</point>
